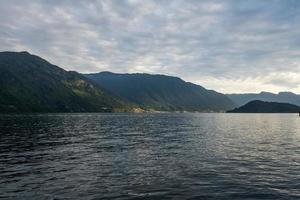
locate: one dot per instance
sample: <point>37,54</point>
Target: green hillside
<point>160,92</point>
<point>29,83</point>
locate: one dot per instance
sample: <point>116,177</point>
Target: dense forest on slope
<point>161,92</point>
<point>29,83</point>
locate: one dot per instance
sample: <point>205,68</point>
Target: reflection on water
<point>150,156</point>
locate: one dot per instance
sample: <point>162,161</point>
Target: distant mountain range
<point>283,97</point>
<point>29,83</point>
<point>257,106</point>
<point>160,92</point>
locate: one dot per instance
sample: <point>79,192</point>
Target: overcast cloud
<point>229,45</point>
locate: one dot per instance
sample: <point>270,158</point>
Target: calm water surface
<point>150,156</point>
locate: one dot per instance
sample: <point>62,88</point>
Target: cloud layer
<point>226,45</point>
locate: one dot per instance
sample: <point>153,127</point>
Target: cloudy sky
<point>228,45</point>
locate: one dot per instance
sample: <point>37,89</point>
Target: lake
<point>150,156</point>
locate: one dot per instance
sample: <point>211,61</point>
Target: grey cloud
<point>290,84</point>
<point>223,45</point>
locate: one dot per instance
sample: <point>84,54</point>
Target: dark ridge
<point>266,107</point>
<point>161,92</point>
<point>29,83</point>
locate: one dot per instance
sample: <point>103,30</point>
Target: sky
<point>232,46</point>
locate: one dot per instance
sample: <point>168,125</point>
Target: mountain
<point>29,83</point>
<point>160,92</point>
<point>257,106</point>
<point>284,97</point>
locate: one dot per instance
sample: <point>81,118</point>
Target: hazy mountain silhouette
<point>284,97</point>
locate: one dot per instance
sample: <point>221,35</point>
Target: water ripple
<point>150,156</point>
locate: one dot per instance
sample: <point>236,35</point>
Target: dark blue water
<point>150,156</point>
